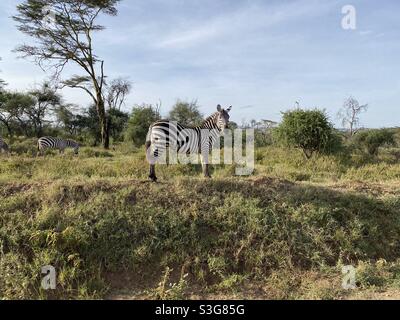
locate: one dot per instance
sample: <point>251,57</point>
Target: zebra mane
<point>210,119</point>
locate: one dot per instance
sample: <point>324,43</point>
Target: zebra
<point>56,143</point>
<point>4,146</point>
<point>187,140</point>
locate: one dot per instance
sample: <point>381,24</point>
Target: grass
<point>284,232</point>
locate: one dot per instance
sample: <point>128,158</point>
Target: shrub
<point>186,113</point>
<point>138,126</point>
<point>24,146</point>
<point>308,130</point>
<point>263,138</point>
<point>371,140</point>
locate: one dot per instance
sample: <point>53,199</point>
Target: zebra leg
<point>151,158</point>
<point>205,165</point>
<point>152,175</point>
<point>206,171</point>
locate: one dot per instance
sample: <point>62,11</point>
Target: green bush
<point>24,146</point>
<point>308,130</point>
<point>263,138</point>
<point>139,122</point>
<point>370,141</point>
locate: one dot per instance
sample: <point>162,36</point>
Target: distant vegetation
<point>370,141</point>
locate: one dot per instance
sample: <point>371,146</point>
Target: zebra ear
<point>219,108</point>
<point>229,109</point>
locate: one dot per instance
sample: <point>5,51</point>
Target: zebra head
<point>6,148</point>
<point>76,148</point>
<point>74,145</point>
<point>223,118</point>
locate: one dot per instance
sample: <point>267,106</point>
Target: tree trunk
<point>105,136</point>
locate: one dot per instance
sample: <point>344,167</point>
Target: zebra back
<point>57,143</point>
<point>186,139</point>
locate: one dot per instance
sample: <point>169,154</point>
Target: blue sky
<point>259,56</point>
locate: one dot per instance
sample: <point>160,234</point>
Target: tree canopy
<point>309,130</point>
<point>63,32</point>
<point>186,113</point>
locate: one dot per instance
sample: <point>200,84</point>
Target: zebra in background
<point>187,140</point>
<point>4,146</point>
<point>56,143</point>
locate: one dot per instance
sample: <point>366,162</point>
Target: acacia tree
<point>65,118</point>
<point>45,100</point>
<point>12,111</point>
<point>63,32</point>
<point>117,90</point>
<point>350,114</point>
<point>116,93</point>
<point>186,113</point>
<point>139,122</point>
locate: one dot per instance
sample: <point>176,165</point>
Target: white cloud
<point>239,23</point>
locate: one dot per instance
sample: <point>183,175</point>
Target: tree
<point>46,100</point>
<point>66,38</point>
<point>4,115</point>
<point>371,140</point>
<point>139,122</point>
<point>116,94</point>
<point>66,119</point>
<point>350,114</point>
<point>87,124</point>
<point>12,112</point>
<point>117,91</point>
<point>308,130</point>
<point>118,120</point>
<point>28,111</point>
<point>186,113</point>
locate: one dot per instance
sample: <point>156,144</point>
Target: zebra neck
<point>209,124</point>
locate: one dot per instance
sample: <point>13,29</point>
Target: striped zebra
<point>56,143</point>
<point>185,140</point>
<point>4,146</point>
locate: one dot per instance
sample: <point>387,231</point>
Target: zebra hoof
<point>153,178</point>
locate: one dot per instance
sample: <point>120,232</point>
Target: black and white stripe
<point>185,140</point>
<point>56,143</point>
<point>3,146</point>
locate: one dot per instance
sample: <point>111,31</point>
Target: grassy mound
<point>284,232</point>
<point>214,234</point>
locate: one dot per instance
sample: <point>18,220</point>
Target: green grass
<point>282,233</point>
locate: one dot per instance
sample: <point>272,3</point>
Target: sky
<point>259,56</point>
